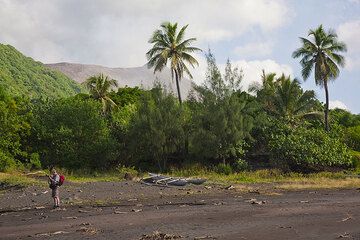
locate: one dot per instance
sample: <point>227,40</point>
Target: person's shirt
<point>55,178</point>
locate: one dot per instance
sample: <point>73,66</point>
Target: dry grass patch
<point>320,183</point>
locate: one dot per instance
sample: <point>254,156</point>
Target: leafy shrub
<point>34,161</point>
<point>222,168</point>
<point>73,133</point>
<point>122,170</point>
<point>355,157</point>
<point>306,150</point>
<point>15,115</point>
<point>7,163</point>
<point>241,165</point>
<point>352,137</point>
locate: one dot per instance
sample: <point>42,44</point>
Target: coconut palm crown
<point>99,86</point>
<point>169,45</point>
<point>321,53</point>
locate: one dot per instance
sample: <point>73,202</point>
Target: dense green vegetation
<point>220,128</point>
<point>22,76</point>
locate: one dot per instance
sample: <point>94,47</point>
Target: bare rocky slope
<point>136,76</point>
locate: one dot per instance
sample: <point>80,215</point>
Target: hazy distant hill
<point>137,76</point>
<point>21,75</point>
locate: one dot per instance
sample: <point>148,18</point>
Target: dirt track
<point>128,210</point>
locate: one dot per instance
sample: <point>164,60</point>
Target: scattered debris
<point>347,218</point>
<point>345,235</point>
<point>208,187</point>
<point>132,200</point>
<point>160,236</point>
<point>24,208</point>
<point>119,212</point>
<point>88,230</point>
<point>255,201</point>
<point>128,176</point>
<point>230,187</point>
<point>71,217</point>
<point>285,227</point>
<point>254,191</point>
<point>50,234</point>
<point>39,207</point>
<point>45,192</point>
<point>304,201</point>
<point>85,224</point>
<point>136,210</point>
<point>83,211</point>
<point>58,209</point>
<point>204,237</point>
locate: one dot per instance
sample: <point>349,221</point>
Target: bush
<point>355,157</point>
<point>352,137</point>
<point>122,170</point>
<point>241,165</point>
<point>34,161</point>
<point>307,150</point>
<point>223,169</point>
<point>73,133</point>
<point>7,163</point>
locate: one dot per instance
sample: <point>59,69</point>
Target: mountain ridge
<point>129,76</point>
<point>23,76</point>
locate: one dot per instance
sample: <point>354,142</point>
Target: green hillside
<point>21,75</point>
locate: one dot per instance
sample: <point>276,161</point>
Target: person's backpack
<point>61,181</point>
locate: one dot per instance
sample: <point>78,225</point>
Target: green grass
<point>103,177</point>
<point>9,180</point>
<point>282,180</point>
<point>84,176</point>
<point>243,180</point>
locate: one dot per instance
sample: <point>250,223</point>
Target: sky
<point>253,34</point>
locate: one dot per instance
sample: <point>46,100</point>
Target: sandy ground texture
<point>131,210</point>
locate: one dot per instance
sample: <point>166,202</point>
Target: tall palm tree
<point>169,45</point>
<point>99,86</point>
<point>322,54</point>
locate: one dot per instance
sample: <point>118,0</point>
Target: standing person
<point>54,180</point>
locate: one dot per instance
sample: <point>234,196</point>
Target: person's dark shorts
<point>55,192</point>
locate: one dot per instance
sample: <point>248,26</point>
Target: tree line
<point>219,126</point>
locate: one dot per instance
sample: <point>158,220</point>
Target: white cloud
<point>337,104</point>
<point>254,49</point>
<point>253,69</point>
<point>115,33</point>
<point>349,32</point>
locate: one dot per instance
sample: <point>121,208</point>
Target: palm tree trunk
<point>178,85</point>
<point>326,106</point>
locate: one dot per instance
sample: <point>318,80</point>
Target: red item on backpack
<point>62,179</point>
